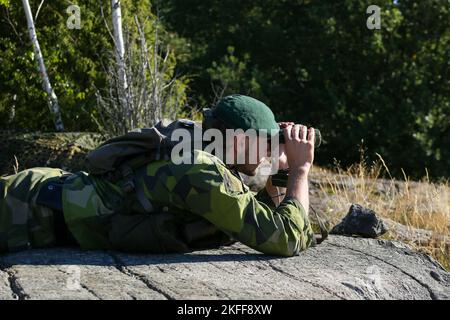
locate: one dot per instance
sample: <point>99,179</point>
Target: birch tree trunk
<point>120,57</point>
<point>51,96</point>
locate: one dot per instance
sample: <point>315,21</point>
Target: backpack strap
<point>130,185</point>
<point>127,174</point>
<point>143,200</point>
<point>137,167</point>
<point>121,158</point>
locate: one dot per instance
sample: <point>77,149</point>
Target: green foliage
<point>154,90</point>
<point>313,62</point>
<point>72,57</point>
<point>76,61</point>
<point>232,75</point>
<point>316,62</point>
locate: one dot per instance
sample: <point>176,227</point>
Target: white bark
<point>120,55</point>
<point>52,98</point>
<point>148,92</point>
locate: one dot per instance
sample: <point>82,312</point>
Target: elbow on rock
<point>297,244</point>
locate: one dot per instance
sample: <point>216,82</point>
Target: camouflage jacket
<point>201,205</point>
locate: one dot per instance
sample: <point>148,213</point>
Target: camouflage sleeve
<point>264,197</point>
<point>210,190</point>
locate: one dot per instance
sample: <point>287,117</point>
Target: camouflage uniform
<point>23,222</point>
<point>201,205</point>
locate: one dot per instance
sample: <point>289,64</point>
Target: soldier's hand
<point>282,160</point>
<point>285,124</point>
<point>299,147</point>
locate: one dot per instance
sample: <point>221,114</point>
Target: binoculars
<point>280,178</point>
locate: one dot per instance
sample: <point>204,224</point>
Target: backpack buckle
<point>127,175</point>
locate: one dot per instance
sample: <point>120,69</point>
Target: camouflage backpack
<point>119,158</point>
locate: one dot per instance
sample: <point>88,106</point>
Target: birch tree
<point>120,56</point>
<point>142,85</point>
<point>51,96</point>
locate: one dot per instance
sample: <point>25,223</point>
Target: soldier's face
<point>249,152</point>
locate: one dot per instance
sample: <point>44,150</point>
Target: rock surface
<point>339,268</point>
<point>416,236</point>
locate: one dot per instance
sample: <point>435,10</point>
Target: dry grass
<point>423,205</point>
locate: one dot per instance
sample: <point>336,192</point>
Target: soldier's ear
<point>242,147</point>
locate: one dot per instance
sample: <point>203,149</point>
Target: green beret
<point>243,112</point>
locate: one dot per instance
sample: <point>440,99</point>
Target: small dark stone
<point>436,276</point>
<point>362,222</point>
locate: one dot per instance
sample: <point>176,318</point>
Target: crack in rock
<point>120,266</point>
<point>276,269</point>
<point>90,291</point>
<point>432,293</point>
<point>316,285</point>
<point>230,272</point>
<point>18,293</point>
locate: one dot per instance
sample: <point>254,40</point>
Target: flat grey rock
<point>339,268</point>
